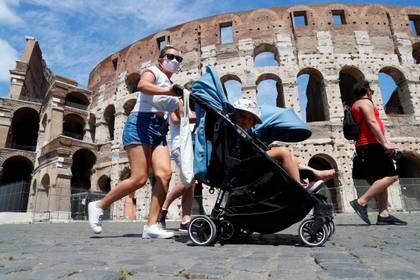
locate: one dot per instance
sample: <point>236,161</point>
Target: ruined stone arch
<point>45,181</point>
<point>104,183</point>
<point>109,117</point>
<point>348,76</point>
<point>324,162</point>
<point>232,85</point>
<point>125,173</point>
<point>317,108</point>
<point>129,105</point>
<point>92,126</point>
<point>400,100</point>
<point>268,14</point>
<point>408,168</point>
<point>132,81</point>
<point>23,132</point>
<point>76,99</point>
<point>73,126</point>
<point>273,94</point>
<point>83,161</point>
<point>416,52</point>
<point>262,55</point>
<point>16,168</point>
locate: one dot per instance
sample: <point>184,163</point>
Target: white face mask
<point>170,65</point>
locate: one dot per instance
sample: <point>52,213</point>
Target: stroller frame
<point>224,224</point>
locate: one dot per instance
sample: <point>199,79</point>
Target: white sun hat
<point>248,106</point>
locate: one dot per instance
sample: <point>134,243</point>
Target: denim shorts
<point>145,128</point>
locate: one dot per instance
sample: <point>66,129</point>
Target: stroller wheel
<point>227,230</point>
<point>310,238</point>
<point>202,231</point>
<point>332,226</point>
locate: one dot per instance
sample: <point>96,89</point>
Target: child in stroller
<point>255,193</point>
<point>246,115</point>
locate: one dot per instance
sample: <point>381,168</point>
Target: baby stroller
<point>255,194</point>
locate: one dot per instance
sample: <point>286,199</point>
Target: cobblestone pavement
<point>71,251</point>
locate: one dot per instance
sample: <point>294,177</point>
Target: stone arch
<point>45,181</point>
<point>23,133</point>
<point>408,168</point>
<point>82,169</point>
<point>399,102</point>
<point>92,126</point>
<point>17,169</point>
<point>416,52</point>
<point>77,100</point>
<point>125,173</point>
<point>316,96</point>
<point>268,14</point>
<point>232,85</point>
<point>266,55</point>
<point>270,90</point>
<point>324,162</point>
<point>73,126</point>
<point>132,82</point>
<point>104,183</point>
<point>348,76</point>
<point>129,105</point>
<point>109,116</point>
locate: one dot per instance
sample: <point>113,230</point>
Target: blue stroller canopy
<point>281,124</point>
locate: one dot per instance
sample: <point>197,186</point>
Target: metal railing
<point>14,197</point>
<point>79,202</point>
<point>73,135</point>
<point>23,147</point>
<point>31,99</point>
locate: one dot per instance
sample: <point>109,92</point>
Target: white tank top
<point>156,103</point>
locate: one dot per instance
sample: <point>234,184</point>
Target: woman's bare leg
<point>161,165</point>
<point>139,157</point>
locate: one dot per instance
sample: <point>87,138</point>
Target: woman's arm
<point>146,85</point>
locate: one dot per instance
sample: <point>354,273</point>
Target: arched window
<point>270,90</point>
<point>81,170</point>
<point>104,183</point>
<point>312,95</point>
<point>109,116</point>
<point>92,127</point>
<point>232,86</point>
<point>24,129</point>
<point>129,105</point>
<point>348,76</point>
<point>17,169</point>
<point>395,93</point>
<point>132,81</point>
<point>73,126</point>
<point>76,100</point>
<point>266,55</point>
<point>416,53</point>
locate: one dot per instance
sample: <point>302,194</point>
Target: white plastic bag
<point>185,139</point>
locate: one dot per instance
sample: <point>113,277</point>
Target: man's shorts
<point>372,163</point>
<point>145,128</point>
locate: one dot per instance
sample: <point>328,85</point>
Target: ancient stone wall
<point>369,39</point>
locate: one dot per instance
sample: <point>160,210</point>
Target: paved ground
<point>70,251</point>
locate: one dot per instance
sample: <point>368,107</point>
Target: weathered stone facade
<point>85,126</point>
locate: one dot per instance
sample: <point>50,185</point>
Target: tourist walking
<point>144,139</point>
<point>374,157</point>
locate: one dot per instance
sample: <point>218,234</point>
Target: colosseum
<point>60,144</point>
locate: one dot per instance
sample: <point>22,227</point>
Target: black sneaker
<point>183,227</point>
<point>360,210</point>
<point>390,220</point>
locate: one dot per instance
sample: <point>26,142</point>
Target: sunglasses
<point>172,56</point>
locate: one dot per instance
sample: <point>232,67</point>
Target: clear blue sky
<point>76,34</point>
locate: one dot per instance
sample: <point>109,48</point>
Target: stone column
<point>332,89</point>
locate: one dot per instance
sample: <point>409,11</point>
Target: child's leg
<point>287,160</point>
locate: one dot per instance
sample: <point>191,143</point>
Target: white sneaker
<point>95,217</point>
<point>315,186</point>
<point>155,231</point>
